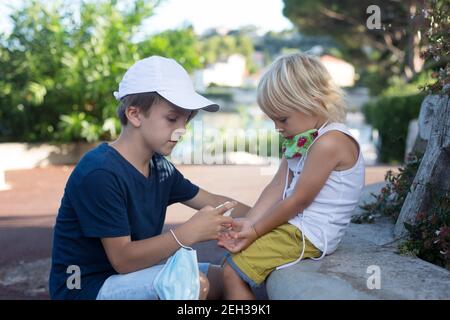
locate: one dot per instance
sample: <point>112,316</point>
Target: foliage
<point>378,54</point>
<point>182,45</point>
<point>62,61</point>
<point>275,43</point>
<point>218,93</point>
<point>345,21</point>
<point>429,236</point>
<point>215,47</point>
<point>390,200</point>
<point>438,51</point>
<point>391,115</point>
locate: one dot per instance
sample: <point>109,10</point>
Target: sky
<point>229,14</point>
<point>202,14</point>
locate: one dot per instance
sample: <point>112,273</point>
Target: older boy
<point>111,216</point>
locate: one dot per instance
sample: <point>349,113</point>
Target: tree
<point>215,47</point>
<point>437,53</point>
<point>394,49</point>
<point>62,62</point>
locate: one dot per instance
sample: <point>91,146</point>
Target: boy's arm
<point>127,256</point>
<point>271,195</point>
<point>205,198</point>
<point>322,159</point>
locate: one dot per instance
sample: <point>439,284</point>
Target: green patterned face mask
<point>296,146</point>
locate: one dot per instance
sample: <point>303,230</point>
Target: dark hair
<point>142,101</point>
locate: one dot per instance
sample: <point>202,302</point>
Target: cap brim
<point>190,100</point>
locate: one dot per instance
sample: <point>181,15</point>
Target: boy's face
<point>294,123</point>
<point>163,126</point>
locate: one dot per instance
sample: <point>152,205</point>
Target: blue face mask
<point>179,278</point>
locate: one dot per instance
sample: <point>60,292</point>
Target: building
<point>343,73</point>
<point>229,73</point>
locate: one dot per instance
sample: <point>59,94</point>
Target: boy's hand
<point>225,239</point>
<point>239,237</point>
<point>208,222</point>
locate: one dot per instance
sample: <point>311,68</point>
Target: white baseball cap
<point>167,78</point>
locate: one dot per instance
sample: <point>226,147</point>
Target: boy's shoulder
<point>338,144</point>
<point>107,160</point>
<point>337,136</point>
<point>333,139</point>
<point>327,145</point>
<point>102,157</point>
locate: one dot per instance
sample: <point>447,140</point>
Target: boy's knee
<point>204,286</point>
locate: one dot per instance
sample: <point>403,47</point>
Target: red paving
<point>28,209</point>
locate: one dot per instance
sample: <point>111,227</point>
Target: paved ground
<point>28,211</point>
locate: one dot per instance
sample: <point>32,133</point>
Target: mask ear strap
<point>323,126</point>
<point>176,239</point>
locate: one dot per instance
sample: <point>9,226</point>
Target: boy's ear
<point>133,115</point>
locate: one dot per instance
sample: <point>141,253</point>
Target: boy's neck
<point>134,152</point>
<point>320,122</point>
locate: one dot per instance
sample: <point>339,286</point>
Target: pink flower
<point>301,142</point>
<point>297,155</point>
<point>421,216</point>
<point>444,232</point>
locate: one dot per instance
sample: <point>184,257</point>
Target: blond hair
<point>299,82</point>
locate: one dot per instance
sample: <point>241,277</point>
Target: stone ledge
<point>344,274</point>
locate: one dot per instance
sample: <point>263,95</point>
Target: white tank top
<point>323,222</point>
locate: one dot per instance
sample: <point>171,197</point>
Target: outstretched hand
<point>239,236</point>
<point>207,223</point>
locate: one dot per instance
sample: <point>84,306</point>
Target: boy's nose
<point>177,134</point>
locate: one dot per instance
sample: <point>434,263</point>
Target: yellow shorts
<point>280,246</point>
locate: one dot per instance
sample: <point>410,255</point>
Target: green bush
<point>389,201</point>
<point>62,61</point>
<point>391,115</point>
<point>225,96</point>
<point>429,237</point>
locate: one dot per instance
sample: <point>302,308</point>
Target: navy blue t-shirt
<point>106,196</point>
